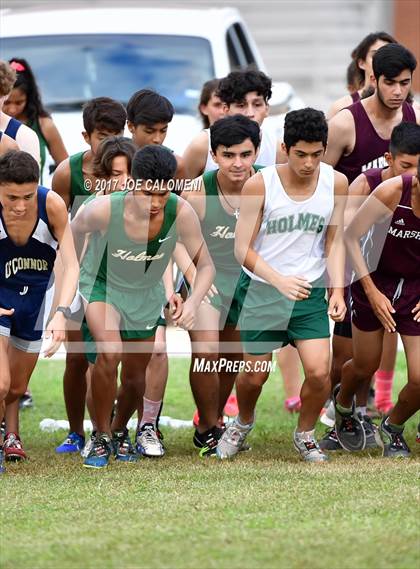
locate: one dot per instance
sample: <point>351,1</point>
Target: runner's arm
<point>61,182</point>
<point>95,216</point>
<point>195,155</point>
<point>378,207</point>
<point>340,136</point>
<point>335,251</point>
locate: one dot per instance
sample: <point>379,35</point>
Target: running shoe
<point>73,443</point>
<point>394,444</point>
<point>308,447</point>
<point>207,441</point>
<point>12,448</point>
<point>84,453</point>
<point>100,454</point>
<point>328,414</point>
<point>348,427</point>
<point>148,442</point>
<point>232,440</point>
<point>123,449</point>
<point>373,438</point>
<point>26,401</point>
<point>418,434</point>
<point>329,441</point>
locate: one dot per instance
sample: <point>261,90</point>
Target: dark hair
<point>148,107</point>
<point>405,139</point>
<point>104,113</point>
<point>362,49</point>
<point>18,167</point>
<point>353,77</point>
<point>234,87</point>
<point>307,124</point>
<point>25,81</point>
<point>390,60</point>
<point>153,162</point>
<point>209,87</point>
<point>110,148</point>
<point>228,131</point>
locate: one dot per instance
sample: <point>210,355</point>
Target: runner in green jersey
<point>215,198</point>
<point>140,228</point>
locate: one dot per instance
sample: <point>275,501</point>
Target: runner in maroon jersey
<point>359,72</point>
<point>386,297</point>
<point>359,136</point>
<point>402,158</point>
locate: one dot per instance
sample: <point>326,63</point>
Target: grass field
<point>265,509</point>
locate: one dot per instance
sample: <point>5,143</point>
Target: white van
<point>78,54</point>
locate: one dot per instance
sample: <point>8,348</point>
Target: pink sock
<point>150,411</point>
<point>383,389</point>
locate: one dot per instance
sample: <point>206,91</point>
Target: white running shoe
<point>84,453</point>
<point>148,442</point>
<point>307,446</point>
<point>233,439</point>
<point>328,417</point>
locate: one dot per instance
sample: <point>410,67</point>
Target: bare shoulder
<point>342,122</point>
<point>254,186</point>
<point>389,192</point>
<point>341,184</point>
<point>56,209</point>
<point>359,186</point>
<point>7,144</point>
<point>339,105</point>
<point>61,175</point>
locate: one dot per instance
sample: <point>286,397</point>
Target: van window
<point>72,69</point>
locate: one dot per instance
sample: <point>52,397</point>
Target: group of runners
<point>249,243</point>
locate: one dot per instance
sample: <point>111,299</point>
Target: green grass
<point>265,509</point>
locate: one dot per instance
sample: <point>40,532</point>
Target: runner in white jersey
<point>246,93</point>
<point>289,233</point>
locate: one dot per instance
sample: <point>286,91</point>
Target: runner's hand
<point>211,293</point>
<point>383,310</point>
<point>175,306</point>
<point>337,307</point>
<point>6,311</point>
<point>56,333</point>
<point>188,316</point>
<point>416,311</point>
<point>294,288</point>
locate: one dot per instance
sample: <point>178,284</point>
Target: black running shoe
<point>348,427</point>
<point>373,439</point>
<point>100,453</point>
<point>123,449</point>
<point>393,441</point>
<point>207,441</point>
<point>26,401</point>
<point>329,441</point>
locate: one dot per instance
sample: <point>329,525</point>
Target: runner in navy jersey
<point>402,158</point>
<point>386,296</point>
<point>33,224</point>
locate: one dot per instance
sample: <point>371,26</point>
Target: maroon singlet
<point>401,252</point>
<point>369,147</point>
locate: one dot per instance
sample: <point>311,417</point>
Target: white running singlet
<point>292,233</point>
